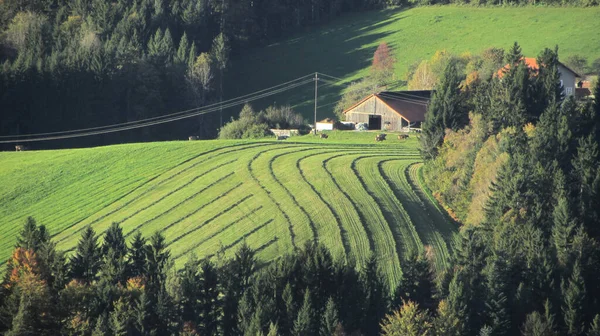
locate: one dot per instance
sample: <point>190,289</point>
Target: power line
<point>162,121</point>
<point>158,117</point>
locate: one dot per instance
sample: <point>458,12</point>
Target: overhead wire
<point>164,120</point>
<point>163,116</point>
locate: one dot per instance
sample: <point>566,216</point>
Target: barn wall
<point>374,106</point>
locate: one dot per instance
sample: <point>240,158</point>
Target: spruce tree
<point>375,291</point>
<point>329,320</point>
<point>273,329</point>
<point>573,295</point>
<point>586,171</point>
<point>595,326</point>
<point>32,236</point>
<point>86,261</point>
<point>183,50</point>
<point>137,256</point>
<point>447,321</point>
<point>304,324</point>
<point>209,301</point>
<point>120,318</point>
<point>496,300</point>
<point>445,110</point>
<point>417,282</point>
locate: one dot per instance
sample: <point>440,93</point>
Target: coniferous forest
<point>105,62</point>
<point>526,262</point>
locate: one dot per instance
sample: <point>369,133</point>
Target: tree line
<point>522,172</point>
<point>117,288</point>
<point>75,64</point>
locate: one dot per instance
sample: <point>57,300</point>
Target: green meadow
<point>344,47</point>
<point>347,192</point>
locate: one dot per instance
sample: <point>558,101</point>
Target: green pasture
<point>344,47</point>
<point>354,195</point>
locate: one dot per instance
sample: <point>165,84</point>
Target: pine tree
<point>183,50</point>
<point>586,170</point>
<point>101,328</point>
<point>595,326</point>
<point>273,329</point>
<point>446,110</point>
<point>573,294</point>
<point>31,236</point>
<point>86,261</point>
<point>375,295</point>
<point>536,325</point>
<point>329,320</point>
<point>114,250</point>
<point>548,79</point>
<point>120,318</point>
<point>209,302</point>
<point>304,324</point>
<point>563,230</point>
<point>142,314</point>
<point>416,284</point>
<point>137,256</point>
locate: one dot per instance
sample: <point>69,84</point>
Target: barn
<point>391,110</point>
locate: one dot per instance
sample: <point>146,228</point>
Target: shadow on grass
<point>342,50</point>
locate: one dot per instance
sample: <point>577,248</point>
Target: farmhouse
<point>567,76</point>
<point>391,111</point>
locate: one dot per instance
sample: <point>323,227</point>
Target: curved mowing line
<point>186,200</point>
<point>209,220</point>
<point>401,249</point>
<point>311,223</point>
<point>156,201</point>
<point>417,210</point>
<point>246,146</point>
<point>207,238</point>
<point>246,235</point>
<point>285,215</point>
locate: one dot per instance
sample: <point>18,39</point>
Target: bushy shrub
<point>252,125</point>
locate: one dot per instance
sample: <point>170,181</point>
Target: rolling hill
<point>347,192</point>
<point>344,47</point>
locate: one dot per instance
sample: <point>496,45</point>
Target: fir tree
<point>445,110</point>
<point>573,294</point>
<point>31,236</point>
<point>416,284</point>
<point>447,322</point>
<point>120,318</point>
<point>375,296</point>
<point>304,324</point>
<point>273,329</point>
<point>86,261</point>
<point>329,320</point>
<point>137,256</point>
<point>496,300</point>
<point>595,326</point>
<point>183,50</point>
<point>209,302</point>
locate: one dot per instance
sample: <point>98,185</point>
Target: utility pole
<point>316,91</point>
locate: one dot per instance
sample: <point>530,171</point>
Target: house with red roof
<point>567,75</point>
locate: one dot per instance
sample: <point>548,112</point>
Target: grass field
<point>344,47</point>
<point>353,195</point>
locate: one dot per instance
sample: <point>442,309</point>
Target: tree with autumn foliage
<point>382,69</point>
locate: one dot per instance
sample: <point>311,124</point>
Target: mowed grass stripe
<point>285,167</point>
<point>150,199</point>
<point>382,241</point>
<point>395,173</point>
<point>218,230</point>
<point>85,177</point>
<point>159,182</point>
<point>391,207</point>
<point>280,226</point>
<point>354,234</point>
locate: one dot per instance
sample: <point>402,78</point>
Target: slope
<point>345,192</point>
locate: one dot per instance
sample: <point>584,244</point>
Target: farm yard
<point>353,195</point>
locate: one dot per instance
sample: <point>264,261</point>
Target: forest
<point>511,158</point>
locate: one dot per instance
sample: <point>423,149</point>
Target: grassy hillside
<point>346,192</point>
<point>344,48</point>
